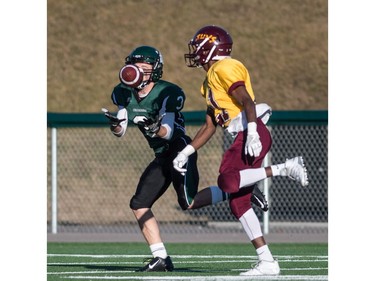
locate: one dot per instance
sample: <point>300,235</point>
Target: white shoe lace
<point>257,270</point>
<point>298,171</point>
<point>255,266</point>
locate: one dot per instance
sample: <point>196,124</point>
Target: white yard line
<point>206,278</point>
<point>90,272</point>
<point>180,256</point>
<point>131,271</point>
<point>180,262</point>
<point>184,259</point>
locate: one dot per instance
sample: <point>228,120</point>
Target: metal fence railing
<point>92,175</point>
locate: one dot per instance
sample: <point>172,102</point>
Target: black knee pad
<point>136,204</point>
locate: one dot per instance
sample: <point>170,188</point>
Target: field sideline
<point>211,261</point>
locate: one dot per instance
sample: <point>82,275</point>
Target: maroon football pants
<point>234,160</point>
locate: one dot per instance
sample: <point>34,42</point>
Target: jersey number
<point>181,101</point>
<point>139,118</point>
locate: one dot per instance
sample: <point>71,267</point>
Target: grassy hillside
<point>284,44</point>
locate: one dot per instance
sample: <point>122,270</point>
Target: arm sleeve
<point>122,114</point>
<point>168,123</point>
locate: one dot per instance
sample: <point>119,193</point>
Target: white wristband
<point>251,127</point>
<point>188,150</point>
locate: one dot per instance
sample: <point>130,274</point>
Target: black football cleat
<point>258,199</point>
<point>158,264</point>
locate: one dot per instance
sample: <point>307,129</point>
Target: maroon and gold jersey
<point>222,78</point>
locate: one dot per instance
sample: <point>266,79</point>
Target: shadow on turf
<point>102,267</point>
<point>121,268</point>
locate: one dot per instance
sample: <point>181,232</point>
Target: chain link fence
<point>97,174</point>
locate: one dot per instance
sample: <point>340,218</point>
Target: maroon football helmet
<point>209,43</point>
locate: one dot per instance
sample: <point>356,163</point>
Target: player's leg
<point>213,194</point>
<point>241,209</point>
<point>245,171</point>
<point>233,161</point>
<point>205,197</point>
<point>186,186</point>
<point>151,186</point>
<point>293,168</point>
<point>208,196</point>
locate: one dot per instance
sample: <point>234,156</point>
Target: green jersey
<point>165,97</point>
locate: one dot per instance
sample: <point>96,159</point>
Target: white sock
<point>158,250</point>
<point>276,169</point>
<point>251,225</point>
<point>251,176</point>
<point>264,253</point>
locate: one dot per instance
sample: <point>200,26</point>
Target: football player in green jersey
<point>155,107</point>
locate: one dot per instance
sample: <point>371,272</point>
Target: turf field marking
<point>180,256</point>
<point>233,259</point>
<point>205,278</point>
<point>89,262</point>
<point>288,269</point>
<point>132,271</point>
<point>90,272</point>
<point>178,262</point>
<point>184,259</point>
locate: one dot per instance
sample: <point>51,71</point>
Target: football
<point>131,75</point>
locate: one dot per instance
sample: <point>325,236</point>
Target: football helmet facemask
<point>209,43</point>
<point>150,55</point>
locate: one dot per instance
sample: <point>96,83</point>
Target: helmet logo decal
<point>202,36</point>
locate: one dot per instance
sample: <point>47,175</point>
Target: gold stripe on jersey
<point>222,78</point>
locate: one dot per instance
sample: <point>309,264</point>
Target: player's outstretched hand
<point>113,120</point>
<point>151,126</point>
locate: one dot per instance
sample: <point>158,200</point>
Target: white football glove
<point>253,146</point>
<point>181,159</point>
